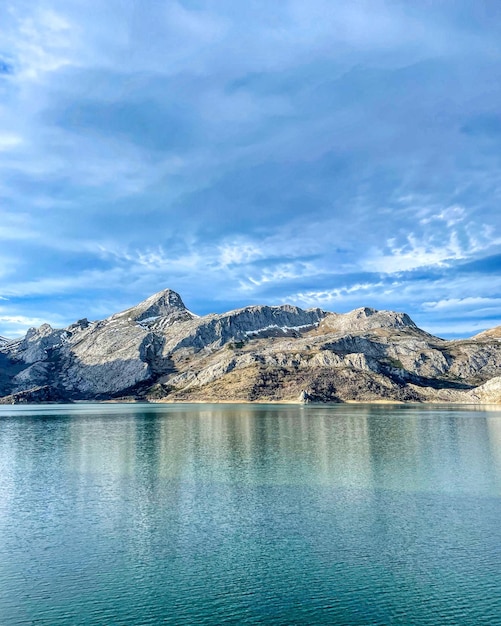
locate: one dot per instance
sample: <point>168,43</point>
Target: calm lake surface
<point>246,514</point>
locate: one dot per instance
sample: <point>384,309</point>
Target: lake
<point>250,514</point>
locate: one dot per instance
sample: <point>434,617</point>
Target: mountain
<point>158,350</point>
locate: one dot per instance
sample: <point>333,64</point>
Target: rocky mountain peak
<point>491,333</point>
<point>45,330</point>
<point>383,319</point>
<point>366,319</point>
<point>158,350</point>
<point>165,303</point>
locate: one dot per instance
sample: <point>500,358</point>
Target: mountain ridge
<point>158,350</point>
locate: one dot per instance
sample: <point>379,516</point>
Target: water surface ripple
<point>246,514</point>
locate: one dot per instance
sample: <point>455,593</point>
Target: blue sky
<point>334,154</point>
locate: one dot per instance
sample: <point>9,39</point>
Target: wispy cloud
<point>239,253</point>
<point>446,238</point>
<point>17,325</point>
<point>331,297</point>
<point>476,304</point>
<point>9,141</point>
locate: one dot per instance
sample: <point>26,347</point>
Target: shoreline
<point>382,402</point>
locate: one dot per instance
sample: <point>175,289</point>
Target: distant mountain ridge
<point>160,351</point>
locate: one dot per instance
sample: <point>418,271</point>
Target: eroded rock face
<point>214,331</point>
<point>159,350</point>
<point>488,393</point>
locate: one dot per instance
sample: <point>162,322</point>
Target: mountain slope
<point>158,350</point>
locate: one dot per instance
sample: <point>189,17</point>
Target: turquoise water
<point>246,514</point>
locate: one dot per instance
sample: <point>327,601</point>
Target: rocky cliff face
<point>158,350</point>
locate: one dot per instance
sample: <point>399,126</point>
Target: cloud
<point>40,41</point>
<point>239,253</point>
<point>16,325</point>
<point>9,141</point>
<point>237,152</point>
<point>447,239</point>
<point>332,296</point>
<point>479,302</point>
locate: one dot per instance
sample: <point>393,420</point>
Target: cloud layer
<point>333,154</point>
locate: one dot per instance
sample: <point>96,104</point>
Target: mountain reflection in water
<point>249,514</point>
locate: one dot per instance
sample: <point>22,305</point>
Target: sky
<point>333,154</point>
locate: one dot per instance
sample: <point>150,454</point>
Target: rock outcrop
<point>160,351</point>
<point>36,395</point>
